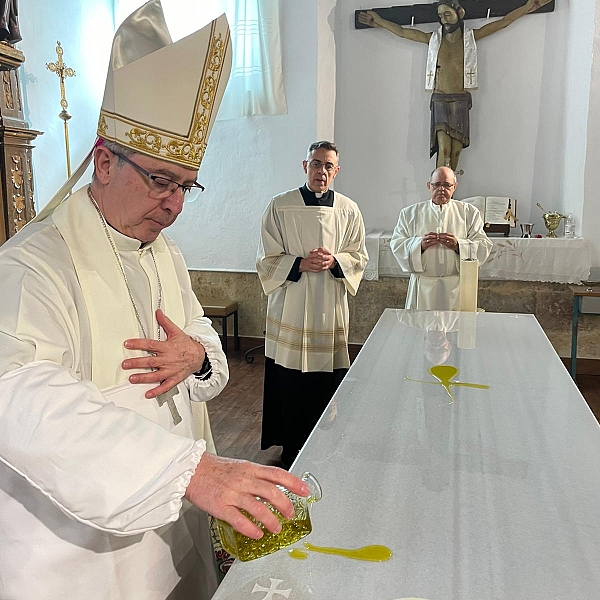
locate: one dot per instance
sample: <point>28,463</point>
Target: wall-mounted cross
<point>61,69</point>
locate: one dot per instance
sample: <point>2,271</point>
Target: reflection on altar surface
<point>483,488</point>
<point>557,260</point>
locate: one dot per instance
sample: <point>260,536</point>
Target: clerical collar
<point>316,198</point>
<point>317,194</point>
<point>441,206</point>
<point>124,242</point>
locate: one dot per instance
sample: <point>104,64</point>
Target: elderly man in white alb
<point>430,239</point>
<point>105,352</point>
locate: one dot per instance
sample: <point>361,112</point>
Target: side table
<point>580,292</point>
<point>222,310</point>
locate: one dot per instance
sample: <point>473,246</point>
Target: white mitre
<point>161,98</point>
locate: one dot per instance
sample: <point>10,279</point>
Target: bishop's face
<point>130,206</point>
<point>449,18</point>
<point>321,168</point>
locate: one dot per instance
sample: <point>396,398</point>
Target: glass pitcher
<point>245,548</point>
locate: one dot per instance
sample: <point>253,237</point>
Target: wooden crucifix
<point>452,58</point>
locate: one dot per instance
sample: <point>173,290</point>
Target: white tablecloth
<point>491,494</point>
<point>372,243</point>
<point>558,260</point>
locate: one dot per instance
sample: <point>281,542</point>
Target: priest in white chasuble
<point>106,359</point>
<point>432,237</point>
<point>312,253</point>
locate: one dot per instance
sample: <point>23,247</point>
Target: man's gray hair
<point>322,144</point>
<point>118,150</point>
<point>432,172</point>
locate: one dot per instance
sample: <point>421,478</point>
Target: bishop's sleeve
<point>200,328</point>
<point>273,264</point>
<point>352,256</point>
<point>90,457</point>
<point>405,246</point>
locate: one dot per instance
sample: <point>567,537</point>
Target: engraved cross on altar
<point>271,591</point>
<point>168,398</point>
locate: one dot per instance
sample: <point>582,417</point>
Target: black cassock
<point>294,401</point>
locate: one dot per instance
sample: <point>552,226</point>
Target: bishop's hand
<point>170,361</point>
<point>223,487</point>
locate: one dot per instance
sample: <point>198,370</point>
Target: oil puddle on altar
<point>445,375</point>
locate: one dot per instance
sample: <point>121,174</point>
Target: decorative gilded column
<point>16,171</point>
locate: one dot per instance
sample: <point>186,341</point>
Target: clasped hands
<point>443,239</point>
<point>171,361</point>
<point>319,259</point>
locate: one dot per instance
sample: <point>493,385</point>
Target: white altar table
<point>493,496</point>
<point>558,260</point>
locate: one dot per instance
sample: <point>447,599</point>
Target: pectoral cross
<point>168,398</point>
<point>470,74</point>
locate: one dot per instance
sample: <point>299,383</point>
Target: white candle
<point>469,280</point>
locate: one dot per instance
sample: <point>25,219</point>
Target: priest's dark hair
<point>322,144</point>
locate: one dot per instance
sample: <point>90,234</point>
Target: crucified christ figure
<point>451,71</point>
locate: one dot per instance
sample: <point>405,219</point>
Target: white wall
<point>535,135</point>
<point>85,30</point>
<point>250,159</point>
<point>591,210</point>
<point>517,117</point>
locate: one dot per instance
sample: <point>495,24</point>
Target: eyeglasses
<point>161,187</point>
<point>437,185</point>
<point>317,164</point>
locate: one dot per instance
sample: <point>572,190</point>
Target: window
<point>256,83</point>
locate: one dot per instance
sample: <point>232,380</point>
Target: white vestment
<point>307,320</point>
<point>92,474</point>
<point>434,279</point>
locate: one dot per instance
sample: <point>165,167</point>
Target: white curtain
<point>256,83</point>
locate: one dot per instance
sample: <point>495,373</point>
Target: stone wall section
<point>551,303</point>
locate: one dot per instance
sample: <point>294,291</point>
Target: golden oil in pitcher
<point>245,548</point>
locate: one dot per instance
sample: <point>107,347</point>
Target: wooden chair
<point>222,310</point>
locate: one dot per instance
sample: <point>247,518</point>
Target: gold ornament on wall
<point>63,72</point>
<point>8,95</point>
<point>18,201</point>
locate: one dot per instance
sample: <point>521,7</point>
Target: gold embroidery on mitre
<point>148,141</point>
<point>102,126</point>
<point>189,150</point>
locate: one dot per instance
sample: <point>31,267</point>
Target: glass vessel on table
<point>245,548</point>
